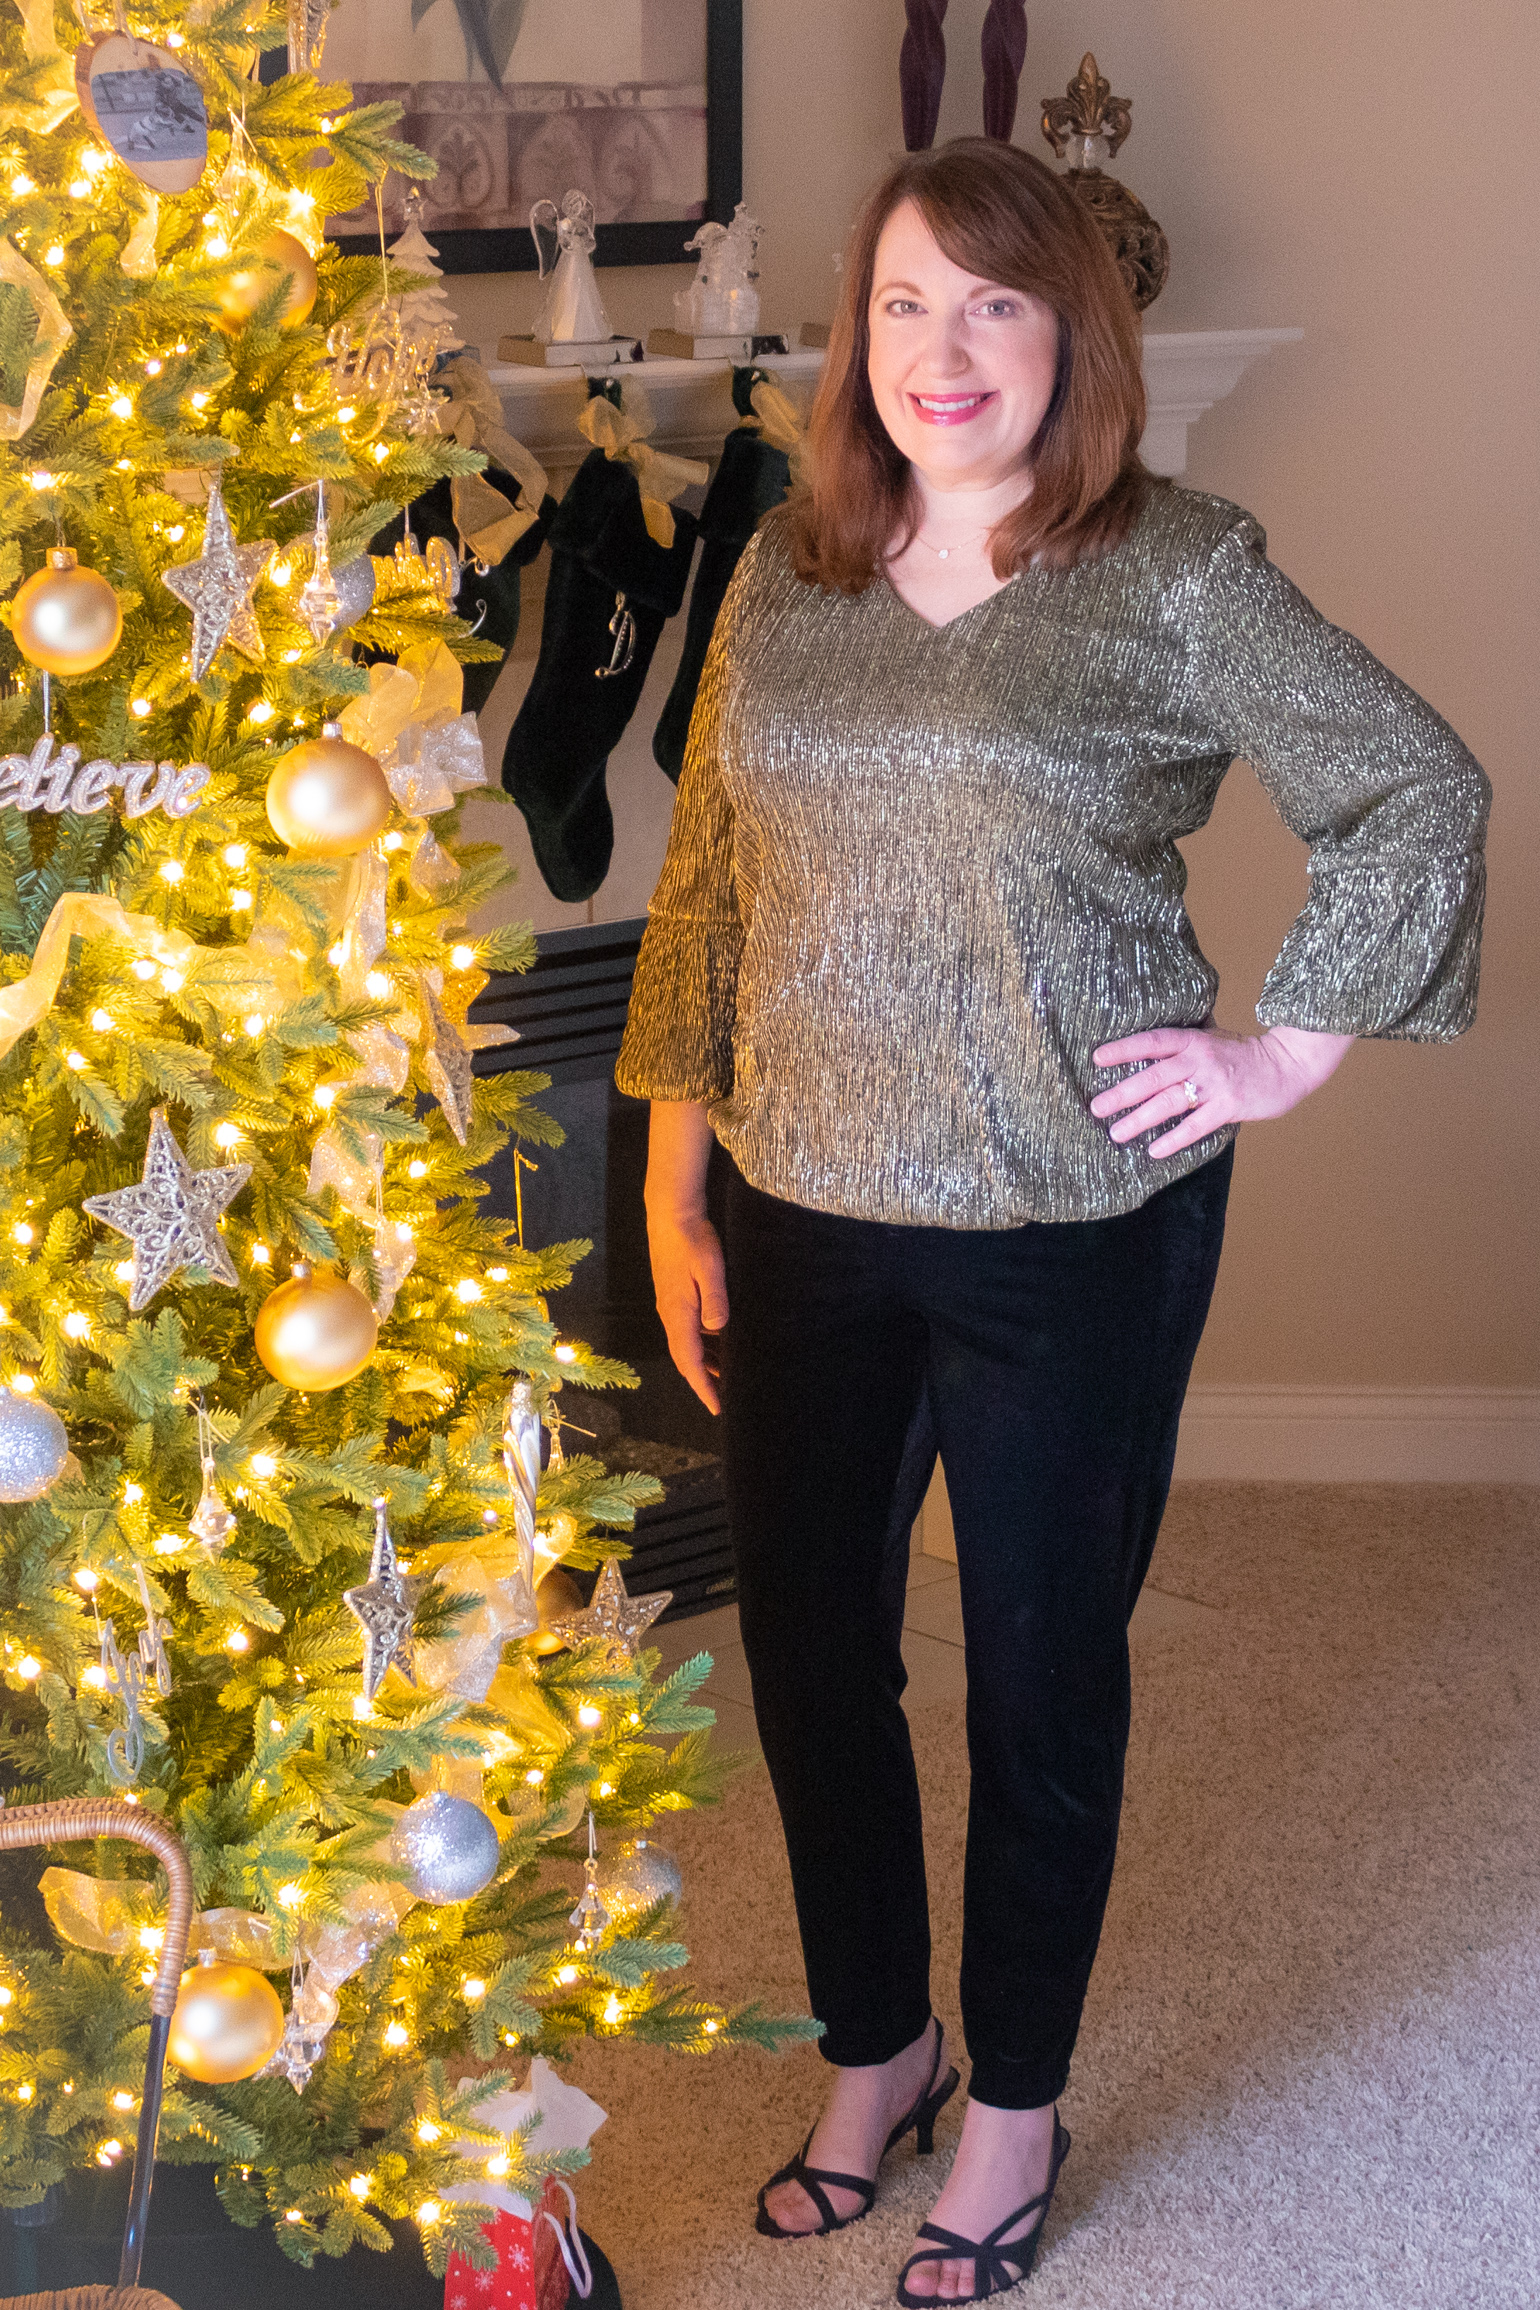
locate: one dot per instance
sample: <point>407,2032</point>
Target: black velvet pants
<point>1049,1363</point>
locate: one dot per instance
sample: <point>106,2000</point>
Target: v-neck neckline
<point>956,620</point>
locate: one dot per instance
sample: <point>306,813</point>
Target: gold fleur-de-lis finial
<point>1087,108</point>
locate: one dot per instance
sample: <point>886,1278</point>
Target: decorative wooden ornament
<point>147,107</point>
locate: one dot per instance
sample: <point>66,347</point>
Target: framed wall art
<point>638,103</point>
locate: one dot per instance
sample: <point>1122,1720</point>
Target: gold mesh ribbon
<point>426,686</point>
<point>229,976</point>
<point>73,1819</point>
<point>53,334</point>
<point>54,95</point>
<point>622,435</point>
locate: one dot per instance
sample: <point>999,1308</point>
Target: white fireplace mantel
<point>1185,370</point>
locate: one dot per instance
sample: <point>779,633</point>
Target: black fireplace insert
<point>570,1012</point>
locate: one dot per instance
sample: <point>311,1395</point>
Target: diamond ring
<point>1194,1095</point>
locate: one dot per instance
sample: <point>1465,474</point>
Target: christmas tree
<point>423,307</point>
<point>271,1379</point>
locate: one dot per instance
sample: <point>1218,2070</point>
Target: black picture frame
<point>659,242</point>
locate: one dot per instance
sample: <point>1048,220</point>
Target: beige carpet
<point>1310,2070</point>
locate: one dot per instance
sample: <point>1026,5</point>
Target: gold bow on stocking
<point>473,415</point>
<point>777,416</point>
<point>622,435</point>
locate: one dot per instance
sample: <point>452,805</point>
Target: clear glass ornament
<point>212,1521</point>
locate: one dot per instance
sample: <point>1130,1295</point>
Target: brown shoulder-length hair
<point>1006,218</point>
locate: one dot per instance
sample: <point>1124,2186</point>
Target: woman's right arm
<point>678,1046</point>
<point>688,1275</point>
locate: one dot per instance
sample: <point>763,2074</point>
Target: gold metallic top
<point>916,874</point>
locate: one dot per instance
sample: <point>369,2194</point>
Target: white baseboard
<point>1347,1435</point>
<point>1306,1435</point>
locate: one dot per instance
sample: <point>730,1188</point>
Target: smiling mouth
<point>948,408</point>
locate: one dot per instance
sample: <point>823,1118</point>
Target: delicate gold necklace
<point>942,552</point>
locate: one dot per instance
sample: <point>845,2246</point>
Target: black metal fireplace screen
<point>570,1010</point>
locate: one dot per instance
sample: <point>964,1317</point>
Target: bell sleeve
<point>1393,806</point>
<point>678,1042</point>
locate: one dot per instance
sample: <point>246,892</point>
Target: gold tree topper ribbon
<point>622,435</point>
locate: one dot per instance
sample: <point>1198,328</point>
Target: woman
<point>918,960</point>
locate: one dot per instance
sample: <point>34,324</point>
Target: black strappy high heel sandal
<point>816,2181</point>
<point>996,2268</point>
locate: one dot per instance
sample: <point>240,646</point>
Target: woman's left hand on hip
<point>1236,1079</point>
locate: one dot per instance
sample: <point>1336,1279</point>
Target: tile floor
<point>933,1640</point>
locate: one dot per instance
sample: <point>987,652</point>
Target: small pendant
<point>942,551</point>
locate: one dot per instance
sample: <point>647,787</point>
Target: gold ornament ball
<point>228,2023</point>
<point>557,1595</point>
<point>64,618</point>
<point>241,292</point>
<point>316,1332</point>
<point>328,799</point>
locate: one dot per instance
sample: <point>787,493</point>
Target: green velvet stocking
<point>433,516</point>
<point>751,478</point>
<point>576,708</point>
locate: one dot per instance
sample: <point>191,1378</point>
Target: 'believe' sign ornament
<point>44,780</point>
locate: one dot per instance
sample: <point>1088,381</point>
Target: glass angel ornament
<point>573,312</point>
<point>722,299</point>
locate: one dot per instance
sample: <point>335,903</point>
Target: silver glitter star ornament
<point>447,1062</point>
<point>384,1609</point>
<point>618,1620</point>
<point>218,587</point>
<point>172,1216</point>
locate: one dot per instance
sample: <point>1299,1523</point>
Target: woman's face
<point>962,370</point>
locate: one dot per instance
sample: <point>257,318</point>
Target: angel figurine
<point>573,311</point>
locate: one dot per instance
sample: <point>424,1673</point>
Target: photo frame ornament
<point>146,106</point>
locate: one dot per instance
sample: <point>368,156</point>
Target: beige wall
<point>1360,168</point>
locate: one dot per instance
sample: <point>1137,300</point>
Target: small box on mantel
<point>679,345</point>
<point>574,353</point>
<point>814,335</point>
